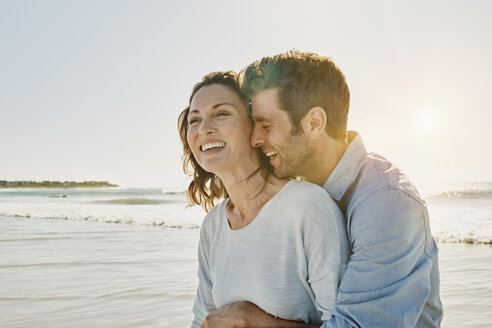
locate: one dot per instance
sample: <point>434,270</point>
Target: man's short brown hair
<point>304,80</point>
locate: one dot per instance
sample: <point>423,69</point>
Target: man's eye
<point>266,126</point>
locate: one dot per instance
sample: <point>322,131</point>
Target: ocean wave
<point>463,240</point>
<point>87,192</point>
<point>155,210</point>
<point>486,194</point>
<point>471,190</point>
<point>452,221</point>
<point>33,239</point>
<point>133,201</point>
<point>154,223</point>
<point>173,191</point>
<point>67,263</point>
<point>470,236</point>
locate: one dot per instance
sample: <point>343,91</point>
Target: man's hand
<point>229,316</point>
<point>246,315</point>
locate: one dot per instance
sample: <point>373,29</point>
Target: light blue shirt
<point>392,277</point>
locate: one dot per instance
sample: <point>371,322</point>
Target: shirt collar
<point>347,168</point>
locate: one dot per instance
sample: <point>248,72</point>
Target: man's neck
<point>325,157</point>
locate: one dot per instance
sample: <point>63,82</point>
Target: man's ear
<point>314,123</point>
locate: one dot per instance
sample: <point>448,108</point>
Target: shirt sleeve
<point>204,302</point>
<point>326,250</point>
<point>387,280</point>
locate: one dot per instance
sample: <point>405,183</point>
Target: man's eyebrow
<point>259,118</point>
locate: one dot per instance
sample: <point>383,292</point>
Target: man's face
<point>272,132</point>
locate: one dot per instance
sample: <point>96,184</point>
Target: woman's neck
<point>249,194</point>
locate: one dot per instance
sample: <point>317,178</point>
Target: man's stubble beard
<point>296,155</point>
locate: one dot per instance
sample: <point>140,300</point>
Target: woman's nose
<point>206,127</point>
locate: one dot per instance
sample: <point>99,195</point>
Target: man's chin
<point>280,174</point>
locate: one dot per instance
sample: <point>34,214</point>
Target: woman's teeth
<point>212,145</point>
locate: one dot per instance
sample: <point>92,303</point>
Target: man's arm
<point>245,314</point>
<point>387,281</point>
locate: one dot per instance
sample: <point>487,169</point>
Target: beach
<point>466,287</point>
<point>62,273</point>
<point>127,258</point>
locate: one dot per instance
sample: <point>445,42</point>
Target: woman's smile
<point>212,147</point>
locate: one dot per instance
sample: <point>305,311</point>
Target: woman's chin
<point>230,166</point>
<point>215,167</point>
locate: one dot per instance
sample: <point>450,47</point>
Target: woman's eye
<point>192,121</point>
<point>222,114</point>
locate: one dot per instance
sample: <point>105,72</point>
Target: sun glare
<point>427,120</point>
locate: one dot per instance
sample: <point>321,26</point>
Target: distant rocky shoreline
<point>55,184</point>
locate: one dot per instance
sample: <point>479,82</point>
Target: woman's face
<point>219,130</point>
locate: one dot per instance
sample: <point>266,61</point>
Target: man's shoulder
<point>376,176</point>
<point>384,205</point>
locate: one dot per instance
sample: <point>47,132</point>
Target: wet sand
<point>62,273</point>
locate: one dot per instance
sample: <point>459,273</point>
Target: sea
<point>126,257</point>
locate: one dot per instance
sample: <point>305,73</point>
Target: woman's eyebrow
<point>213,107</point>
<point>221,104</point>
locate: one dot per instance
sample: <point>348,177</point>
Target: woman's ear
<point>314,123</point>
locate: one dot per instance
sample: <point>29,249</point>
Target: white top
<point>288,261</point>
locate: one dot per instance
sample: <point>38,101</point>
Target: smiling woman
<point>205,187</point>
<point>219,129</point>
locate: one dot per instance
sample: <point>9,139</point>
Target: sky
<point>91,90</point>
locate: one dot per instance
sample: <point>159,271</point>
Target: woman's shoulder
<point>214,217</point>
<point>308,198</point>
<point>307,191</point>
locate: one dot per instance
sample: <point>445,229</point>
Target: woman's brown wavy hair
<point>206,187</point>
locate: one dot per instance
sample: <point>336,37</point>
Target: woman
<point>279,244</point>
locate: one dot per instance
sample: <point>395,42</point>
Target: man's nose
<point>257,138</point>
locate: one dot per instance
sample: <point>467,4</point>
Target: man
<point>299,104</point>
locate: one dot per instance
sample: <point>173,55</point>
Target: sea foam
<point>462,213</point>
